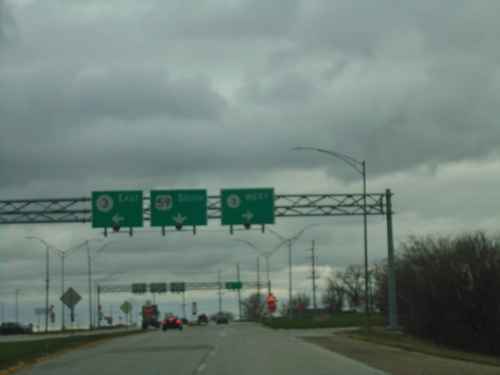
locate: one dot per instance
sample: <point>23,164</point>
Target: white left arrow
<point>179,218</point>
<point>117,218</point>
<point>247,216</point>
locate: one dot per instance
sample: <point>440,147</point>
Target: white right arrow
<point>247,216</point>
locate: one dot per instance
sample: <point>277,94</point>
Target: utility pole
<point>17,305</point>
<point>239,290</point>
<point>258,287</point>
<point>47,293</point>
<point>220,294</point>
<point>314,277</point>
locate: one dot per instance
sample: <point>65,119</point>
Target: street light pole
<point>17,304</point>
<point>290,241</point>
<point>360,166</point>
<point>267,255</point>
<point>62,255</point>
<point>90,259</point>
<point>99,294</point>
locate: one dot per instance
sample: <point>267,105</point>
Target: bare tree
<point>301,300</point>
<point>353,281</point>
<point>254,306</point>
<point>333,298</point>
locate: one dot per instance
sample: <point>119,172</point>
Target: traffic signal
<point>271,303</point>
<point>52,314</point>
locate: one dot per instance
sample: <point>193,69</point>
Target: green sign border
<point>125,205</point>
<point>262,210</point>
<point>187,213</point>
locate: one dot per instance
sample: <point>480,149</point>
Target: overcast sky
<point>129,95</point>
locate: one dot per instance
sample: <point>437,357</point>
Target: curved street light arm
<point>267,254</point>
<point>256,248</point>
<point>73,249</point>
<point>98,251</point>
<point>275,249</point>
<point>356,164</point>
<point>291,240</point>
<point>280,236</point>
<point>54,249</point>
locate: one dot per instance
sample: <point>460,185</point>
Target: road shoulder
<point>397,361</point>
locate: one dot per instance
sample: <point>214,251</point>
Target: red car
<point>172,322</point>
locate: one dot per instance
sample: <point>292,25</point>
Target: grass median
<point>15,352</point>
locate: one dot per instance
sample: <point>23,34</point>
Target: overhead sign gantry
<point>104,214</point>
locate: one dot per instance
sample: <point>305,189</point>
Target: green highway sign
<point>117,209</point>
<point>247,206</point>
<point>234,285</point>
<point>178,207</point>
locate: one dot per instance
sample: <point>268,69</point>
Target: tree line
<point>447,291</point>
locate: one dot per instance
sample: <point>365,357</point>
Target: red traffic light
<point>271,303</point>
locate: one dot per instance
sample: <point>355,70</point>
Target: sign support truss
<point>79,210</point>
<point>189,286</point>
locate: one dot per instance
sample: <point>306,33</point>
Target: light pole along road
<point>267,255</point>
<point>91,258</point>
<point>361,168</point>
<point>98,293</point>
<point>290,242</point>
<point>61,254</point>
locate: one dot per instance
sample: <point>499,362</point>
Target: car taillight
<point>178,322</point>
<point>171,319</point>
<point>164,322</point>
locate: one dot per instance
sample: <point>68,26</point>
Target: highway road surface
<point>239,348</point>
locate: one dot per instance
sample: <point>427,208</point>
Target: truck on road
<point>150,315</point>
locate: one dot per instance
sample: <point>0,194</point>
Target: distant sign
<point>126,307</point>
<point>158,287</point>
<point>247,206</point>
<point>41,311</point>
<point>117,209</point>
<point>139,288</point>
<point>178,287</point>
<point>234,285</point>
<point>178,208</point>
<point>70,298</point>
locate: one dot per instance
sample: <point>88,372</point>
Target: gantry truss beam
<point>79,210</point>
<point>188,286</point>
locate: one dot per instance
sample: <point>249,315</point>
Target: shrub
<point>448,291</point>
